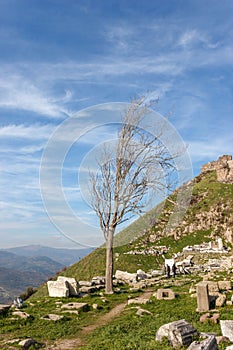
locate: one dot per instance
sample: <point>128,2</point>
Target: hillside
<point>209,216</point>
<point>113,322</point>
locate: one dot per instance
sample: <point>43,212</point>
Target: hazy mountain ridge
<point>18,272</point>
<point>30,266</point>
<point>64,256</point>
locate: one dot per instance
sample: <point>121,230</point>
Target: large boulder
<point>72,284</point>
<point>63,287</point>
<point>58,289</point>
<point>178,333</point>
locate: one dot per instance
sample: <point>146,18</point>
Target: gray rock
<point>26,343</point>
<point>138,300</point>
<point>207,344</point>
<point>126,276</point>
<point>224,285</point>
<point>227,328</point>
<point>76,306</point>
<point>21,314</point>
<point>58,289</point>
<point>85,283</point>
<point>72,284</point>
<point>140,312</point>
<point>178,333</point>
<point>220,301</point>
<point>52,317</point>
<point>165,294</point>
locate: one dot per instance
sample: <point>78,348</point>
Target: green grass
<point>130,331</point>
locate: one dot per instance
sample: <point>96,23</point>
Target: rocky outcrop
<point>223,167</point>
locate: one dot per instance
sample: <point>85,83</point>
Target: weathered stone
<point>71,312</point>
<point>221,339</point>
<point>202,297</point>
<point>215,318</point>
<point>224,285</point>
<point>4,308</point>
<point>52,317</point>
<point>178,333</point>
<point>223,167</point>
<point>229,302</point>
<point>75,306</point>
<point>21,314</point>
<point>141,275</point>
<point>126,276</point>
<point>212,287</point>
<point>194,295</point>
<point>140,312</point>
<point>88,290</point>
<point>72,284</point>
<point>205,317</point>
<point>227,328</point>
<point>229,347</point>
<point>58,288</point>
<point>98,280</point>
<point>220,301</point>
<point>85,283</point>
<point>95,306</point>
<point>165,294</point>
<point>138,300</point>
<point>192,290</point>
<point>207,344</point>
<point>26,343</point>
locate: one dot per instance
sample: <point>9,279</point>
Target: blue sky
<point>59,57</point>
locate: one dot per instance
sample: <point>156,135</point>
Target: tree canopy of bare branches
<point>138,163</point>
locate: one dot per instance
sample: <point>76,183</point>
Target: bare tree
<point>138,162</point>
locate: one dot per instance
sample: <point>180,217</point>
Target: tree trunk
<point>109,262</point>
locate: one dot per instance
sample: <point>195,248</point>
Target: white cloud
<point>32,132</point>
<point>210,148</point>
<point>19,92</point>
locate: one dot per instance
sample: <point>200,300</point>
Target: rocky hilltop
<point>223,167</point>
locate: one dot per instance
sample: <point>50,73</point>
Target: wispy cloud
<point>18,92</point>
<point>31,132</point>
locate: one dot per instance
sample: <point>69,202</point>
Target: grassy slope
<point>128,331</point>
<point>94,263</point>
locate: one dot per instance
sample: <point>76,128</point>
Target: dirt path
<point>70,344</point>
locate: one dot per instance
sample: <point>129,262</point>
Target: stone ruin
<point>178,333</point>
<point>223,167</point>
<point>63,287</point>
<point>208,292</point>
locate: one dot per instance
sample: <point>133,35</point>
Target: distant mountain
<point>19,272</point>
<point>65,257</point>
